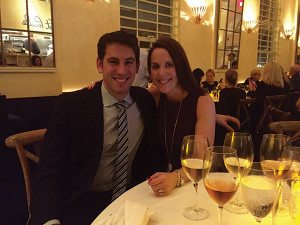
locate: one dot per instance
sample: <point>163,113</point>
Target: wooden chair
<point>243,113</point>
<point>18,141</point>
<point>290,128</point>
<point>276,100</point>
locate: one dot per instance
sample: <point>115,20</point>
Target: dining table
<point>169,209</point>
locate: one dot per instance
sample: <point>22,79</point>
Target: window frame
<point>29,68</point>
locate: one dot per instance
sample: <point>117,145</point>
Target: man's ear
<point>137,66</point>
<point>99,65</point>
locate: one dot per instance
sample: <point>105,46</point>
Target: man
<point>34,48</point>
<point>75,177</point>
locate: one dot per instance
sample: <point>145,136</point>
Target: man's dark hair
<point>120,37</point>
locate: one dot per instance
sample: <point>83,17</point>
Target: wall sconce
<point>288,32</point>
<point>198,8</point>
<point>250,24</point>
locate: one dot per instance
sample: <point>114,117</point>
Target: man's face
<point>119,67</point>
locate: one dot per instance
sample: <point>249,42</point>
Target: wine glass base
<point>236,207</point>
<point>195,214</point>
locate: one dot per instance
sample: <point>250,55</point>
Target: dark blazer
<point>73,146</point>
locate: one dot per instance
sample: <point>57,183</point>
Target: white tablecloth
<point>168,210</point>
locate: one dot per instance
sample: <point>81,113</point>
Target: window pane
<point>229,40</point>
<point>39,16</point>
<point>220,59</point>
<point>147,26</point>
<point>238,22</point>
<point>130,3</point>
<point>147,6</point>
<point>223,19</point>
<point>146,34</point>
<point>232,5</point>
<point>163,28</point>
<point>144,44</point>
<point>9,18</point>
<point>164,10</point>
<point>224,4</point>
<point>128,23</point>
<point>165,19</point>
<point>128,12</point>
<point>129,31</point>
<point>230,21</point>
<point>166,2</point>
<point>236,41</point>
<point>163,35</point>
<point>221,40</point>
<point>147,16</point>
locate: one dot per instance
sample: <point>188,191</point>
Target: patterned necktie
<point>120,175</point>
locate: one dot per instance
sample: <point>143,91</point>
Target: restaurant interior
<point>67,32</point>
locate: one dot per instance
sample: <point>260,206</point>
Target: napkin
<point>129,213</point>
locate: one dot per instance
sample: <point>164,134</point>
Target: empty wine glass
<point>258,191</point>
<point>192,155</point>
<point>242,142</point>
<point>221,180</point>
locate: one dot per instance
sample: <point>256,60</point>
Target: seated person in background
<point>252,82</point>
<point>34,48</point>
<point>272,81</point>
<point>234,65</point>
<point>231,95</point>
<point>36,60</point>
<point>198,74</point>
<point>210,83</point>
<point>81,169</point>
<point>295,78</point>
<point>141,78</point>
<point>231,58</point>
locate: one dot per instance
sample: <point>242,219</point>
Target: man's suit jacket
<point>73,146</point>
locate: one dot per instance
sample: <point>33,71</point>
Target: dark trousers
<point>85,209</point>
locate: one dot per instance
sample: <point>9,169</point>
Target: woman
<point>272,81</point>
<point>210,82</point>
<point>231,95</point>
<point>183,108</point>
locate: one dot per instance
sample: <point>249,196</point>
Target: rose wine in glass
<point>221,180</point>
<point>192,160</point>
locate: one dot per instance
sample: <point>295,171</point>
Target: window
<point>268,33</point>
<point>149,19</point>
<point>229,34</point>
<point>26,35</point>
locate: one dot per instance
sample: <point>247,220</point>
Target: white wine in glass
<point>243,143</point>
<point>220,180</point>
<point>192,155</point>
<point>259,192</point>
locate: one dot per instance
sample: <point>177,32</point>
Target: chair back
<point>275,100</point>
<point>18,141</point>
<point>243,113</point>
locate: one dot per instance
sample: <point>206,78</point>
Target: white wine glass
<point>294,153</point>
<point>271,149</point>
<point>221,180</point>
<point>259,192</point>
<point>294,206</point>
<point>192,154</point>
<point>243,143</point>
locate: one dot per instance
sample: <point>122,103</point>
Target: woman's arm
<point>206,118</point>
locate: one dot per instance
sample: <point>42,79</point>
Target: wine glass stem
<point>196,198</point>
<point>220,213</point>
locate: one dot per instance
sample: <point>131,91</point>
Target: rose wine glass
<point>221,180</point>
<point>192,155</point>
<point>242,142</point>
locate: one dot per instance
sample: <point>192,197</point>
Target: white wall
<point>78,24</point>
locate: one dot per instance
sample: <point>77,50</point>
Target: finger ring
<point>160,191</point>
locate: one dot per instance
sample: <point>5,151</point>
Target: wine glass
<point>221,180</point>
<point>294,206</point>
<point>294,155</point>
<point>258,191</point>
<point>192,154</point>
<point>242,142</point>
<point>271,155</point>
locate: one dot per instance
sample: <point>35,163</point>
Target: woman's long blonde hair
<point>272,74</point>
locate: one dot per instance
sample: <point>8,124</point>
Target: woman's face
<point>210,77</point>
<point>38,61</point>
<point>163,71</point>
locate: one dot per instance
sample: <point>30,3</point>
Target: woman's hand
<point>162,184</point>
<point>223,120</point>
<point>91,86</point>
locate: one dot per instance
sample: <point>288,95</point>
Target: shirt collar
<point>109,100</point>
